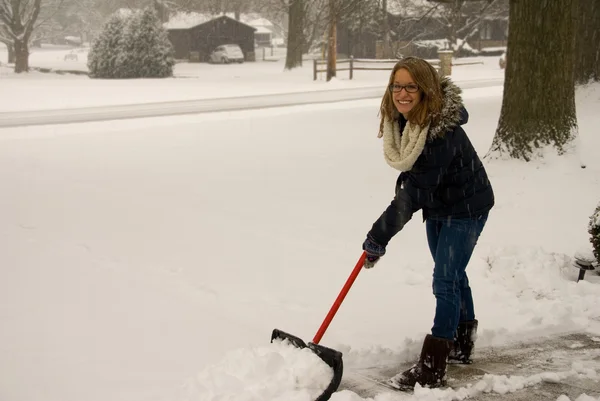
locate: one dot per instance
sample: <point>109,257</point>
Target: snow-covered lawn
<point>35,91</point>
<point>150,259</point>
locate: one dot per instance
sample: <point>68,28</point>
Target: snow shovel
<point>330,356</point>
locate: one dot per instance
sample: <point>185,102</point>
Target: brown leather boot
<point>430,371</point>
<point>464,342</point>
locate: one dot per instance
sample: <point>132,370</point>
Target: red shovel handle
<point>340,298</point>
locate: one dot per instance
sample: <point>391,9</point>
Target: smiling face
<point>403,99</point>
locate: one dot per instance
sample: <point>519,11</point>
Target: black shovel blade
<point>330,356</point>
<point>282,335</point>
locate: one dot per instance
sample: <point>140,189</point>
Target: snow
<point>35,91</point>
<point>262,29</point>
<point>186,20</point>
<point>150,259</point>
<point>300,375</point>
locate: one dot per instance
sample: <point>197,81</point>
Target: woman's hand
<point>374,252</point>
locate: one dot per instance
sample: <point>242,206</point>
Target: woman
<point>441,174</point>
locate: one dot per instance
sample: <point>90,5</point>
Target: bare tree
<point>408,23</point>
<point>337,10</point>
<point>295,38</point>
<point>385,30</point>
<point>315,24</point>
<point>162,10</point>
<point>539,59</point>
<point>332,39</point>
<point>587,59</point>
<point>18,18</point>
<point>81,16</point>
<point>364,21</point>
<point>237,7</point>
<point>462,19</point>
<point>8,43</point>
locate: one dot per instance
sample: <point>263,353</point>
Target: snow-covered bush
<point>133,45</point>
<point>594,230</point>
<point>102,57</point>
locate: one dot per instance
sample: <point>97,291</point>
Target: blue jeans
<point>451,242</point>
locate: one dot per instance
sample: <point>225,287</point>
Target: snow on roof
<point>260,22</point>
<point>245,18</point>
<point>262,29</point>
<point>185,20</point>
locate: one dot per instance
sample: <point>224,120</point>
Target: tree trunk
<point>161,10</point>
<point>11,52</point>
<point>295,38</point>
<point>18,21</point>
<point>21,56</point>
<point>453,24</point>
<point>12,57</point>
<point>538,107</point>
<point>587,58</point>
<point>332,42</point>
<point>385,26</point>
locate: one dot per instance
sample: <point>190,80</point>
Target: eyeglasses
<point>410,88</point>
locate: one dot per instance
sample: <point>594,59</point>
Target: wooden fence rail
<point>364,65</point>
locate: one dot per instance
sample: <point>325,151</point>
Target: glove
<point>374,252</point>
<point>370,261</point>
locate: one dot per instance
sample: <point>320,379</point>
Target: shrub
<point>594,230</point>
<point>137,48</point>
<point>102,58</point>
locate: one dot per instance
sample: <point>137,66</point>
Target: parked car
<point>226,54</point>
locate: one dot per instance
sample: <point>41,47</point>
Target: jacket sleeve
<point>415,189</point>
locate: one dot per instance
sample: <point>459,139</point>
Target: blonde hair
<point>428,111</point>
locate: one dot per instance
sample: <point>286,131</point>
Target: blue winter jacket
<point>447,180</point>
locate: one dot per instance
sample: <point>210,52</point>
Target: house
<point>263,36</point>
<point>194,36</point>
<point>264,31</point>
<point>493,32</point>
<point>267,33</point>
<point>412,34</point>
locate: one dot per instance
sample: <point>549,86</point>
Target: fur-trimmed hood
<point>453,110</point>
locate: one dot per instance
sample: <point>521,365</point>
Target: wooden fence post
<point>351,66</point>
<point>445,62</point>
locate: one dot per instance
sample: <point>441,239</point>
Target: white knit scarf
<point>402,151</point>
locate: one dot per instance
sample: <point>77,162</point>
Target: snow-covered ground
<point>150,259</point>
<point>35,91</point>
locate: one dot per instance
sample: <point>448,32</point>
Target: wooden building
<point>195,36</point>
<point>366,42</point>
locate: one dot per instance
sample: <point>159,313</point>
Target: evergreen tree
<point>102,58</point>
<point>138,47</point>
<point>152,51</point>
